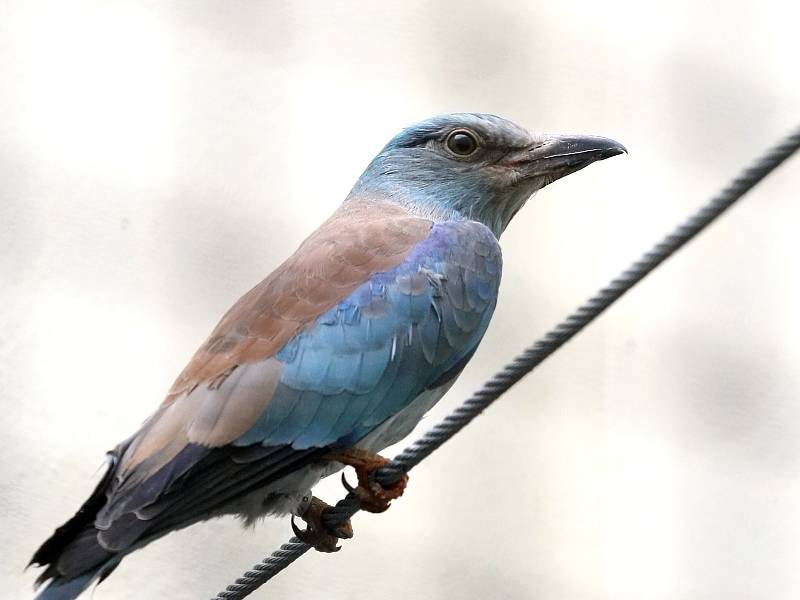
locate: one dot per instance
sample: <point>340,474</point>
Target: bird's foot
<point>374,497</point>
<point>317,534</point>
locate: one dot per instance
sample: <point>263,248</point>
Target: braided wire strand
<point>265,570</point>
<point>529,359</point>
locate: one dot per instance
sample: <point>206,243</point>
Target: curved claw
<point>301,535</point>
<point>308,537</point>
<point>347,485</point>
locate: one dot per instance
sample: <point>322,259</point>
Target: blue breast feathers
<point>400,332</point>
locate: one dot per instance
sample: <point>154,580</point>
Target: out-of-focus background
<point>158,159</point>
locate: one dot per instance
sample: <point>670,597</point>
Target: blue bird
<point>337,354</point>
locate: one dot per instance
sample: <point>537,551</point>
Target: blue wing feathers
<point>300,417</point>
<point>368,357</point>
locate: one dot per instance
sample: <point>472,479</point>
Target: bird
<point>335,355</point>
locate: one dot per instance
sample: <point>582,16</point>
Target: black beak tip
<point>613,149</point>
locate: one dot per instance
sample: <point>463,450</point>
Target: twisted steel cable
<point>525,362</point>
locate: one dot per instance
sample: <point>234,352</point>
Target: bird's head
<point>475,166</point>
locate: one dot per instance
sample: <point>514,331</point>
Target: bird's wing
<point>232,377</point>
<point>254,405</point>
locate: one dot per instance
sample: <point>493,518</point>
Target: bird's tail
<point>73,555</point>
<point>79,563</point>
<point>60,588</point>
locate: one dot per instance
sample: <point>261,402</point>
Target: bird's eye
<point>461,142</point>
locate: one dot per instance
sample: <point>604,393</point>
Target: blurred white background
<point>158,159</point>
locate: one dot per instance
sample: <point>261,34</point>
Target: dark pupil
<point>461,143</point>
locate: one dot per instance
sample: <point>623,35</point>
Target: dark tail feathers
<point>67,589</point>
<point>73,556</point>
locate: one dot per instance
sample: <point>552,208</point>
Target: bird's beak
<point>556,156</point>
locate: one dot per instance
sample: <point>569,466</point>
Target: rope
<point>526,361</point>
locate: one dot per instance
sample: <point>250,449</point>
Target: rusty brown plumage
<point>361,238</point>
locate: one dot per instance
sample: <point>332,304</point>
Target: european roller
<point>337,354</point>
